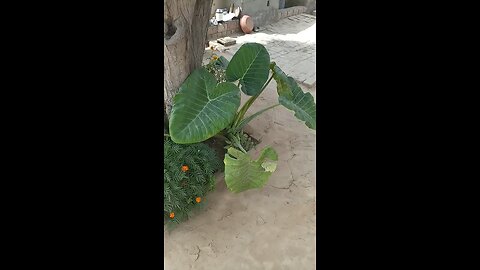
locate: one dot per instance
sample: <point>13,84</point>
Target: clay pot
<point>246,23</point>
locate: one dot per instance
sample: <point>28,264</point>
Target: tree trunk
<point>185,32</point>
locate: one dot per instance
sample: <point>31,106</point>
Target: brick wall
<point>291,11</point>
<point>223,29</point>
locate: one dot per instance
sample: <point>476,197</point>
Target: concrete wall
<point>291,11</point>
<point>219,4</point>
<point>310,4</point>
<point>259,5</point>
<point>259,11</point>
<point>233,27</point>
<point>248,6</point>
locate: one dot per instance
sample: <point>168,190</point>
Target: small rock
<point>260,220</point>
<point>227,41</point>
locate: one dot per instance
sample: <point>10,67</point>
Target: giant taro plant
<point>204,107</point>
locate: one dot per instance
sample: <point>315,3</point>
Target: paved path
<point>291,44</point>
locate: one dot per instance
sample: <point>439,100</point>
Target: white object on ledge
<point>213,21</point>
<point>219,15</point>
<point>227,17</point>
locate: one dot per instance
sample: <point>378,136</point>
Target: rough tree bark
<point>185,30</point>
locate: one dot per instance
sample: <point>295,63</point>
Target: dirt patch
<point>268,228</point>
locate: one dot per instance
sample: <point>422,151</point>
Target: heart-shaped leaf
<point>243,173</point>
<point>249,65</point>
<point>291,96</point>
<point>201,108</point>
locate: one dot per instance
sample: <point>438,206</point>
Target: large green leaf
<point>243,173</point>
<point>283,86</point>
<point>291,96</point>
<point>249,65</point>
<point>202,108</point>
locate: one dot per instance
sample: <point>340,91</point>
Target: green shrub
<point>188,175</point>
<point>217,67</point>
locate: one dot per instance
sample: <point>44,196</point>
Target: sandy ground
<point>268,228</point>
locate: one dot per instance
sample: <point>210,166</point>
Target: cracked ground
<point>272,227</point>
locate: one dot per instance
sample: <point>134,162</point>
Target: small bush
<point>217,67</point>
<point>188,176</point>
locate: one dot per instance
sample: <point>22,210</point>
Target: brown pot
<point>246,23</point>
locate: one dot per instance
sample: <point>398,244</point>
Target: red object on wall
<point>246,23</point>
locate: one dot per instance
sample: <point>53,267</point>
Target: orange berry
<point>172,215</point>
<point>185,168</point>
<point>198,199</point>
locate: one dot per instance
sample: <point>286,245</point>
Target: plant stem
<point>265,86</point>
<point>236,142</point>
<point>243,122</point>
<point>221,136</point>
<point>166,135</point>
<point>249,103</point>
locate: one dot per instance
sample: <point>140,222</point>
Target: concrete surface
<point>291,43</point>
<point>272,228</point>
